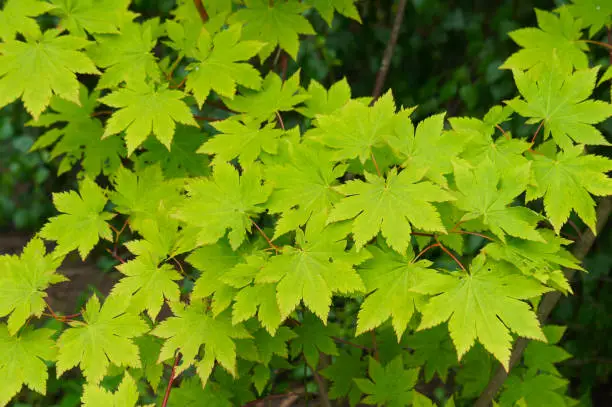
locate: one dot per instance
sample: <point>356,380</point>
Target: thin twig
<point>115,256</point>
<point>536,132</point>
<point>171,380</point>
<point>201,10</point>
<point>374,345</point>
<point>425,250</point>
<point>465,232</point>
<point>280,120</point>
<point>580,250</point>
<point>324,398</point>
<point>173,67</point>
<point>376,164</point>
<point>354,345</point>
<point>451,255</point>
<point>502,131</point>
<point>601,44</point>
<point>386,61</point>
<point>261,232</point>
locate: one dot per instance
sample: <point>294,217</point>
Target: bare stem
<point>261,232</point>
<point>171,380</point>
<point>536,132</point>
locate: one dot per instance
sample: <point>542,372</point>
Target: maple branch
<point>580,250</point>
<point>201,10</point>
<point>450,254</point>
<point>273,397</point>
<point>173,67</point>
<point>115,256</point>
<point>601,44</point>
<point>386,61</point>
<point>171,380</point>
<point>60,318</point>
<point>374,345</point>
<point>537,131</point>
<point>425,250</point>
<point>422,234</point>
<point>280,120</point>
<point>272,245</point>
<point>180,85</point>
<point>375,164</point>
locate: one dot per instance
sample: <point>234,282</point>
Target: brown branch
<point>386,61</point>
<point>374,345</point>
<point>201,10</point>
<point>171,380</point>
<point>324,398</point>
<point>580,250</point>
<point>536,132</point>
<point>115,256</point>
<point>465,232</point>
<point>425,250</point>
<point>452,256</point>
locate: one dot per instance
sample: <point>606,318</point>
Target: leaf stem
<point>375,164</point>
<point>536,132</point>
<point>374,345</point>
<point>425,250</point>
<point>173,67</point>
<point>201,10</point>
<point>451,255</point>
<point>115,256</point>
<point>465,232</point>
<point>601,44</point>
<point>60,318</point>
<point>502,131</point>
<point>280,120</point>
<point>261,232</point>
<point>171,380</point>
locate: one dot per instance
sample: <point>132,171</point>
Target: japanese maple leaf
<point>105,337</point>
<point>126,395</point>
<point>543,356</point>
<point>323,101</point>
<point>245,140</point>
<point>593,13</point>
<point>390,385</point>
<point>52,59</point>
<point>388,277</point>
<point>92,16</point>
<point>17,16</point>
<point>557,38</point>
<point>390,206</point>
<point>82,221</point>
<point>22,360</point>
<point>345,368</point>
<point>535,388</point>
<point>353,130</point>
<point>302,186</point>
<point>143,110</point>
<point>483,195</point>
<point>313,338</point>
<point>274,96</point>
<point>315,270</point>
<point>567,181</point>
<point>433,352</point>
<point>326,9</point>
<point>221,64</point>
<point>23,282</point>
<point>224,201</point>
<point>192,327</point>
<point>278,24</point>
<point>560,102</point>
<point>484,304</point>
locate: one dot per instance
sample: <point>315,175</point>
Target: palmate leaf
<point>22,360</point>
<point>483,305</point>
<point>345,368</point>
<point>594,14</point>
<point>221,64</point>
<point>125,396</point>
<point>313,338</point>
<point>390,385</point>
<point>326,9</point>
<point>92,16</point>
<point>567,182</point>
<point>390,206</point>
<point>145,109</point>
<point>535,389</point>
<point>560,101</point>
<point>315,270</point>
<point>23,282</point>
<point>274,24</point>
<point>104,337</point>
<point>52,59</point>
<point>323,101</point>
<point>82,221</point>
<point>192,327</point>
<point>17,16</point>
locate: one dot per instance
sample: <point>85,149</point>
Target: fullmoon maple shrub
<point>275,228</point>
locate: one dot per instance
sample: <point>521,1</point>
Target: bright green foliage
<point>535,390</point>
<point>566,182</point>
<point>389,277</point>
<point>17,17</point>
<point>346,367</point>
<point>313,337</point>
<point>22,360</point>
<point>125,396</point>
<point>390,385</point>
<point>476,304</point>
<point>322,101</point>
<point>556,39</point>
<point>104,337</point>
<point>53,59</point>
<point>224,201</point>
<point>221,67</point>
<point>82,221</point>
<point>390,206</point>
<point>92,16</point>
<point>145,110</point>
<point>594,14</point>
<point>192,327</point>
<point>22,283</point>
<point>191,393</point>
<point>433,350</point>
<point>560,102</point>
<point>326,9</point>
<point>543,356</point>
<point>278,25</point>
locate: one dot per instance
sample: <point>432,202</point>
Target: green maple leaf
<point>23,282</point>
<point>535,389</point>
<point>390,385</point>
<point>483,195</point>
<point>345,367</point>
<point>353,130</point>
<point>245,140</point>
<point>224,201</point>
<point>388,277</point>
<point>149,347</point>
<point>221,64</point>
<point>145,110</point>
<point>274,96</point>
<point>52,59</point>
<point>566,182</point>
<point>557,38</point>
<point>127,57</point>
<point>315,270</point>
<point>260,299</point>
<point>192,393</point>
<point>147,283</point>
<point>433,351</point>
<point>323,101</point>
<point>22,360</point>
<point>192,327</point>
<point>92,16</point>
<point>593,13</point>
<point>81,137</point>
<point>390,206</point>
<point>560,102</point>
<point>104,337</point>
<point>274,24</point>
<point>543,356</point>
<point>313,337</point>
<point>125,396</point>
<point>82,221</point>
<point>483,305</point>
<point>17,16</point>
<point>326,9</point>
<point>302,186</point>
<point>272,344</point>
<point>428,147</point>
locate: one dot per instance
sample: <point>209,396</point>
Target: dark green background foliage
<point>447,58</point>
